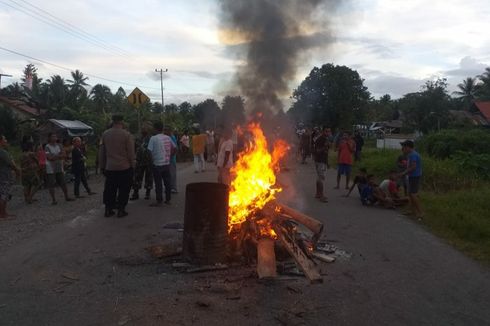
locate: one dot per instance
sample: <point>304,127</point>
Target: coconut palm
<point>57,91</point>
<point>77,84</point>
<point>468,91</point>
<point>485,86</point>
<point>101,95</point>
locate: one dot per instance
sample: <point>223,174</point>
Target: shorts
<point>344,169</point>
<point>30,180</point>
<point>56,179</point>
<point>5,190</point>
<point>321,168</point>
<point>413,185</point>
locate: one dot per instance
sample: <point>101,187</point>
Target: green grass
<point>457,204</point>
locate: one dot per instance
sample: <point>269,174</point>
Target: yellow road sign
<point>137,98</point>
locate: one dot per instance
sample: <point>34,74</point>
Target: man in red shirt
<point>346,149</point>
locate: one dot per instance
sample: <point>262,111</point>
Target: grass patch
<point>455,201</point>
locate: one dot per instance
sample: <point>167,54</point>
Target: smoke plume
<point>270,37</point>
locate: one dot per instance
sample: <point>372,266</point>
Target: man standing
<point>225,158</point>
<point>198,146</point>
<point>78,168</point>
<point>7,164</point>
<point>359,144</point>
<point>414,172</point>
<point>161,148</point>
<point>55,156</point>
<point>345,149</point>
<point>117,160</point>
<point>143,169</point>
<point>321,146</point>
<point>210,146</point>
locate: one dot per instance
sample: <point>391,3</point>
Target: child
<point>360,181</point>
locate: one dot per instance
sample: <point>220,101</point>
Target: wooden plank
<point>312,224</point>
<point>307,265</point>
<point>323,257</point>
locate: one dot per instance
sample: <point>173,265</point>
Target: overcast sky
<point>394,44</point>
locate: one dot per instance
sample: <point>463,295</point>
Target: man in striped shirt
<point>162,148</point>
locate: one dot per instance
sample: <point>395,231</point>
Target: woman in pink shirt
<point>41,158</point>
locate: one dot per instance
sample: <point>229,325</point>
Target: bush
<point>447,143</point>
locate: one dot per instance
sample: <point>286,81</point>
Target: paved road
<point>89,270</point>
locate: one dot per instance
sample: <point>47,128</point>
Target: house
<point>65,129</point>
<point>482,108</point>
<point>462,117</point>
<point>21,109</point>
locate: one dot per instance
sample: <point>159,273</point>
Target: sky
<point>395,45</point>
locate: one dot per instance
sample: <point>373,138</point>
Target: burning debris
<point>254,225</point>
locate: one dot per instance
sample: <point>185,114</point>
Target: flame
<point>254,184</point>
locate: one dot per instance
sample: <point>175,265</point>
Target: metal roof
<point>71,124</point>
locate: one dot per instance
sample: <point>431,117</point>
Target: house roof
<point>474,118</point>
<point>21,106</point>
<point>71,124</point>
<point>484,108</point>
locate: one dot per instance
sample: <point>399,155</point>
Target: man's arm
<point>130,150</point>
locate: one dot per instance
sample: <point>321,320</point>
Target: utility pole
<point>161,71</point>
<point>3,75</point>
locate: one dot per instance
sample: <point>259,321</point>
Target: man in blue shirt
<point>414,173</point>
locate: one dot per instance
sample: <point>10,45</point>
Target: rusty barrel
<point>205,222</point>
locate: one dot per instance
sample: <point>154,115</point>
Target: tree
<point>331,95</point>
<point>485,86</point>
<point>101,95</point>
<point>383,109</point>
<point>8,123</point>
<point>78,92</point>
<point>57,92</point>
<point>468,91</point>
<point>427,110</point>
<point>207,113</point>
<point>232,110</point>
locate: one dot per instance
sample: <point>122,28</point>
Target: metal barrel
<point>206,222</point>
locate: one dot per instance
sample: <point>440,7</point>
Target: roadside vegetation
<point>456,186</point>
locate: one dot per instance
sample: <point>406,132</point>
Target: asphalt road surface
<point>68,265</point>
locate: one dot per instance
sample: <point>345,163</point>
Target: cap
<point>407,143</point>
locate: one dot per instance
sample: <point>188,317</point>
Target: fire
<point>254,184</point>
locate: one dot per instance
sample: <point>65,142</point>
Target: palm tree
<point>57,91</point>
<point>101,95</point>
<point>485,86</point>
<point>77,87</point>
<point>468,91</point>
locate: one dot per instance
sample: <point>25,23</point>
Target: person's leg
<point>76,183</point>
<point>157,176</point>
<point>110,192</point>
<point>173,174</point>
<point>138,180</point>
<point>124,186</point>
<point>203,163</point>
<point>148,181</point>
<point>348,170</point>
<point>51,180</point>
<point>3,208</point>
<point>196,163</point>
<point>167,181</point>
<point>85,183</point>
<point>338,180</point>
<point>60,180</point>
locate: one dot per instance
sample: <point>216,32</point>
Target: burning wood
<point>256,217</point>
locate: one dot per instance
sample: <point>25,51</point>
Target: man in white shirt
<point>225,158</point>
<point>162,148</point>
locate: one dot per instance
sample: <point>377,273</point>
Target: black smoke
<point>270,37</point>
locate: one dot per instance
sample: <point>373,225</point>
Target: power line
<point>77,28</point>
<point>55,24</point>
<point>70,70</point>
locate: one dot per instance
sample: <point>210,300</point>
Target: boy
<point>360,180</point>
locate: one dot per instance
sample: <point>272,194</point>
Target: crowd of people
<point>406,172</point>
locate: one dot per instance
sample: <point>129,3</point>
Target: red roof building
<point>20,108</point>
<point>483,108</point>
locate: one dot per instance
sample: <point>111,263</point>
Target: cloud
<point>396,86</point>
<point>468,67</point>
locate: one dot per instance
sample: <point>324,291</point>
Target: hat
<point>407,143</point>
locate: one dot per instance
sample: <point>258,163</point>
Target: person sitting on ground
<point>390,189</point>
<point>372,194</point>
<point>360,181</point>
<point>78,168</point>
<point>7,165</point>
<point>55,156</point>
<point>30,169</point>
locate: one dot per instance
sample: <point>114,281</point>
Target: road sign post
<point>137,98</point>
